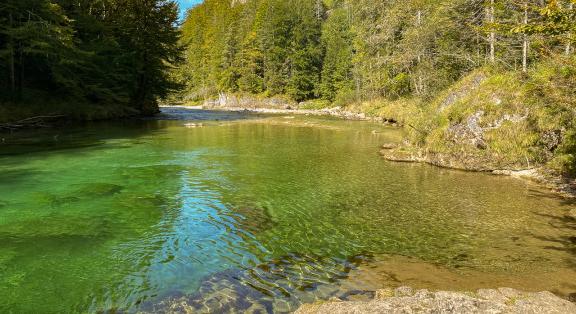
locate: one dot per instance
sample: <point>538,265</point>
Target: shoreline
<point>407,300</point>
<point>557,184</point>
<point>332,112</point>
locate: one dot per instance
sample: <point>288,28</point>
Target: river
<point>221,212</point>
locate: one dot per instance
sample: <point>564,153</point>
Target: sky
<point>185,5</point>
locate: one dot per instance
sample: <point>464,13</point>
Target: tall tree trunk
<point>358,84</point>
<point>20,70</point>
<point>319,9</point>
<point>418,23</point>
<point>569,43</point>
<point>349,13</point>
<point>492,36</point>
<point>11,61</point>
<point>419,88</point>
<point>478,52</point>
<point>525,41</point>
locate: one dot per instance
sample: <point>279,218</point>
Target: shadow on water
<point>546,194</point>
<point>8,176</point>
<point>74,138</point>
<point>90,135</point>
<point>565,243</point>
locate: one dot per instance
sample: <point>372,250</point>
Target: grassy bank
<point>494,119</point>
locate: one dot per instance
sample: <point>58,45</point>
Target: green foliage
<point>337,65</point>
<point>551,19</point>
<point>92,54</point>
<point>552,87</point>
<point>526,120</point>
<point>261,46</point>
<point>336,50</point>
<point>315,104</point>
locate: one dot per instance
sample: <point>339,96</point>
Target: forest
<point>86,59</point>
<point>345,51</point>
<point>489,79</point>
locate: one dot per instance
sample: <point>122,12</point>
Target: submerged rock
<point>99,190</point>
<point>52,200</point>
<point>280,285</point>
<point>388,146</point>
<point>254,219</point>
<point>406,300</point>
<point>65,228</point>
<point>85,192</point>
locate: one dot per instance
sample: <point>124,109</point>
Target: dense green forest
<point>85,58</point>
<point>350,50</point>
<point>491,79</point>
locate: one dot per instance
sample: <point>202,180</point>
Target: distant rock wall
<point>225,100</point>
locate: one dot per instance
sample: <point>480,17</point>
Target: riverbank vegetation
<point>85,59</point>
<point>489,81</point>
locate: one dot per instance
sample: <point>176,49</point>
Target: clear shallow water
<point>256,212</point>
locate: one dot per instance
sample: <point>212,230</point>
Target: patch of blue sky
<point>185,5</point>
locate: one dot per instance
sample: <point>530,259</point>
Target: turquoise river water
<point>254,213</point>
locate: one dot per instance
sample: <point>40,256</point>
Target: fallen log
<point>31,122</point>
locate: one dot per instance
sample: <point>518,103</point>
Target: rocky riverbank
<point>334,112</point>
<point>406,300</point>
<point>279,105</point>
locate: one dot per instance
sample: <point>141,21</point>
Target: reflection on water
<point>256,213</point>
